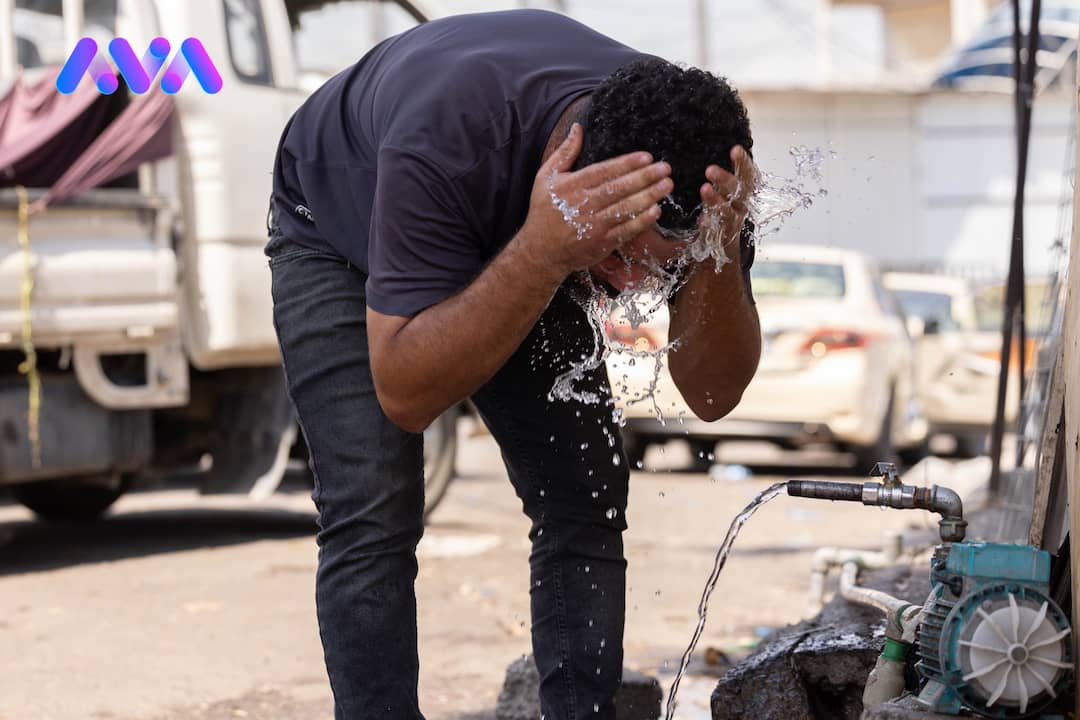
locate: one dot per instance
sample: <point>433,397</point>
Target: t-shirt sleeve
<point>422,249</point>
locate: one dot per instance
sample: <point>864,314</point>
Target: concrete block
<point>638,698</point>
<point>817,669</point>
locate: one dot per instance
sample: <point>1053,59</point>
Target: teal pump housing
<point>991,640</point>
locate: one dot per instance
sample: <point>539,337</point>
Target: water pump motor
<point>991,640</point>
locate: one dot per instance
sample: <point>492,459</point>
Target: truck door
<point>226,151</point>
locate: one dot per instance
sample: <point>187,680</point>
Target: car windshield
<point>929,306</point>
<point>774,278</point>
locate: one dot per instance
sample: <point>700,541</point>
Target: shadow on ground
<point>33,546</point>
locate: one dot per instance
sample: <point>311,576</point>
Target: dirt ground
<point>183,607</point>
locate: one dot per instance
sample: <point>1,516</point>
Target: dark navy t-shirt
<point>417,163</point>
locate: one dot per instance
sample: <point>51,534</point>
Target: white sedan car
<point>957,363</point>
<point>836,366</point>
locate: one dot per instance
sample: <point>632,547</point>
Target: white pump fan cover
<point>1014,653</point>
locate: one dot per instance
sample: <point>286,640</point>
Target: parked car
<point>957,364</point>
<point>135,319</point>
<point>836,366</point>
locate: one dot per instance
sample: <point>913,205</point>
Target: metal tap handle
<point>888,471</point>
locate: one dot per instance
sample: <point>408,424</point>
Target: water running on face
<point>718,565</point>
<point>774,199</point>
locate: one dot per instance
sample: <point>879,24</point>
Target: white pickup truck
<point>135,317</point>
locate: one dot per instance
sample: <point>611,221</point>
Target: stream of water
<point>710,585</point>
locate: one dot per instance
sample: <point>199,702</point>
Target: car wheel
<point>969,445</point>
<point>440,456</point>
<point>634,447</point>
<point>914,454</point>
<point>72,500</point>
<point>881,450</point>
<point>702,454</point>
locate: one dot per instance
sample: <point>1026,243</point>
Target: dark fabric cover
<point>142,133</point>
<point>72,143</point>
<point>42,131</point>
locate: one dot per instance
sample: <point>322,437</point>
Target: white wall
<point>968,165</point>
<point>918,178</point>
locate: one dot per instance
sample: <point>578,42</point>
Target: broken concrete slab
<point>638,698</point>
<point>816,670</point>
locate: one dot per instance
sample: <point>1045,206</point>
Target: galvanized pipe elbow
<point>947,503</point>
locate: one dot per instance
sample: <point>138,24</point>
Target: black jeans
<point>564,459</point>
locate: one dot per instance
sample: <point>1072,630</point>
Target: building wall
<point>918,178</point>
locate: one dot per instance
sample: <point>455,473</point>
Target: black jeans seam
<point>315,475</point>
<point>564,638</point>
<point>557,579</point>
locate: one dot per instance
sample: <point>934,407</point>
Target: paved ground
<point>181,607</point>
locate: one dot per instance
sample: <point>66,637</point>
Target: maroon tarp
<point>42,131</point>
<point>72,143</point>
<point>142,132</point>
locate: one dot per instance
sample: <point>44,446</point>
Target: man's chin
<point>618,274</point>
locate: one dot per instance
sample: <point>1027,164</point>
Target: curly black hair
<point>686,116</point>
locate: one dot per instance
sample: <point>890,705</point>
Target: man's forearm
<point>447,352</point>
<point>721,339</point>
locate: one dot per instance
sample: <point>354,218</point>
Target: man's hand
<point>417,362</point>
<point>712,313</point>
<point>611,202</point>
<point>726,196</point>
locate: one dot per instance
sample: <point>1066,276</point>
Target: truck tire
<point>972,444</point>
<point>634,447</point>
<point>701,454</point>
<point>71,500</point>
<point>882,449</point>
<point>440,455</point>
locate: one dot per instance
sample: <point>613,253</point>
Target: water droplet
<point>590,623</point>
<point>551,439</point>
<point>596,707</point>
<point>616,460</point>
<point>611,513</point>
<point>542,493</point>
<point>587,568</point>
<point>657,593</point>
<point>661,494</point>
<point>595,494</point>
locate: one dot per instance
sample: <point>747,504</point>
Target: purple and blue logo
<point>139,74</point>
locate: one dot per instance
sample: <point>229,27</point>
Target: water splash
<point>774,199</point>
<point>718,565</point>
<point>570,213</point>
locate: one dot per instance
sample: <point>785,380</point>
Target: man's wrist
<point>523,248</point>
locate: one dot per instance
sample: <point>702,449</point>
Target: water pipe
<point>853,592</point>
<point>828,557</point>
<point>886,680</point>
<point>892,493</point>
